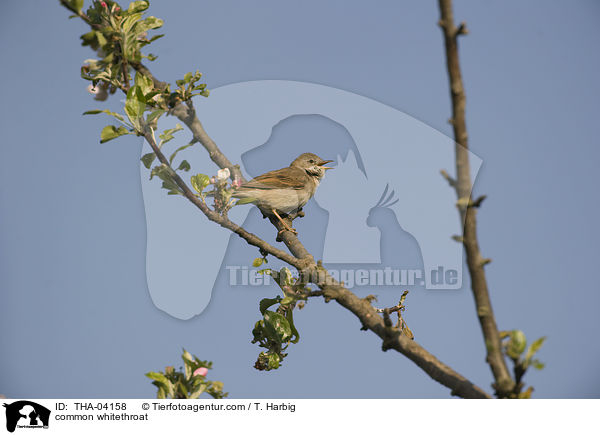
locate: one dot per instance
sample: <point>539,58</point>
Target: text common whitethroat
<point>285,190</point>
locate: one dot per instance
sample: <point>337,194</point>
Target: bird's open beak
<point>324,162</point>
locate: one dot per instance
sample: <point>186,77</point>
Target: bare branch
<point>394,339</point>
<point>451,181</point>
<point>504,382</point>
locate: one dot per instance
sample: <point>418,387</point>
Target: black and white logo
<point>25,414</point>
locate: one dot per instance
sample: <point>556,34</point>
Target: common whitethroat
<point>285,190</point>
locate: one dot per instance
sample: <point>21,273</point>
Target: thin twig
<point>216,217</point>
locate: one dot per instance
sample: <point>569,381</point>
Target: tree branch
<point>503,380</point>
<point>301,259</point>
<point>305,263</point>
<point>218,218</point>
<point>332,289</point>
<point>394,339</point>
<point>187,114</point>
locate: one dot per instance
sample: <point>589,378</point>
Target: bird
<point>284,190</point>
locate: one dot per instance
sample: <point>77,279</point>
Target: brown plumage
<point>287,189</point>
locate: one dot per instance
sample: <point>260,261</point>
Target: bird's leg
<point>287,227</point>
<point>298,214</point>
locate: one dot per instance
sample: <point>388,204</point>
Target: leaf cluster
<point>276,330</point>
<point>117,35</point>
<point>514,346</point>
<point>183,384</point>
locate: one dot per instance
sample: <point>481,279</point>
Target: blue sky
<point>76,312</point>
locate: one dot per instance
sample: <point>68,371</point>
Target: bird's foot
<point>287,228</point>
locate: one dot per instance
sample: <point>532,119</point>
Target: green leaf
<point>137,6</point>
<point>290,318</point>
<point>172,187</point>
<point>187,370</point>
<point>144,83</point>
<point>287,300</point>
<point>182,390</point>
<point>199,182</point>
<point>150,23</point>
<point>181,148</point>
<point>257,262</point>
<point>108,112</point>
<point>77,5</point>
<point>184,165</point>
<point>273,361</point>
<point>264,304</point>
<point>147,159</point>
<point>187,357</point>
<point>166,174</point>
<point>111,132</point>
<point>157,376</point>
<point>101,39</point>
<point>135,105</point>
<point>285,276</point>
<point>187,77</point>
<point>198,391</point>
<point>534,348</point>
<point>537,364</point>
<point>277,323</point>
<point>130,22</point>
<point>161,381</point>
<point>536,345</point>
<point>155,37</point>
<point>154,116</point>
<point>167,135</point>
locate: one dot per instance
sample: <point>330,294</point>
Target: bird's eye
<point>311,161</point>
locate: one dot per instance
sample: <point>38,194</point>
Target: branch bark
<point>332,289</point>
<point>187,114</point>
<point>468,213</point>
<point>301,259</point>
<point>223,221</point>
<point>394,339</point>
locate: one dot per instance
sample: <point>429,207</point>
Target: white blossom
<point>223,174</point>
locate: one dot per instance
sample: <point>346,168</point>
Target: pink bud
<point>117,9</point>
<point>103,4</point>
<point>201,371</point>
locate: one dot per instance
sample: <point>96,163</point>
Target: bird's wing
<point>285,178</point>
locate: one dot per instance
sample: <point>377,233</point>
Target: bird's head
<point>312,164</point>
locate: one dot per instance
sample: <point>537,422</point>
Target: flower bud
<point>200,371</point>
<point>223,174</point>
